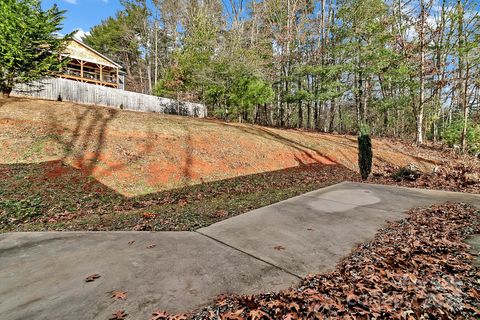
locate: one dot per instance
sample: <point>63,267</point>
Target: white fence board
<point>85,93</point>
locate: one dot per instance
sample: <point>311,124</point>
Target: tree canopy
<point>407,69</point>
<point>30,45</point>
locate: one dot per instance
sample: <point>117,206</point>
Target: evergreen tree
<point>365,153</point>
<point>408,69</point>
<point>30,45</point>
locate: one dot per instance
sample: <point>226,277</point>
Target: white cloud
<point>80,34</point>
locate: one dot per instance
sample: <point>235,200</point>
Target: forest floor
<point>72,167</point>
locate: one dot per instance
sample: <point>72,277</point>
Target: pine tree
<point>30,46</point>
<point>365,153</point>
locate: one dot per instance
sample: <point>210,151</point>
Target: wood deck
<point>88,80</point>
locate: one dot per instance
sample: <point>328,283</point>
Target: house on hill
<point>90,66</point>
<point>94,79</point>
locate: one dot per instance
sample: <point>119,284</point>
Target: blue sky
<point>84,14</point>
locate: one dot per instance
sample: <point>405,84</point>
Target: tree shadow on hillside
<point>83,143</point>
<point>67,193</point>
<point>67,187</point>
<point>307,151</point>
<point>187,166</point>
<point>87,139</point>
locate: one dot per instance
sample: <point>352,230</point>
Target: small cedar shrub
<point>365,153</point>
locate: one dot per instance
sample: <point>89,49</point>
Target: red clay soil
<point>140,153</point>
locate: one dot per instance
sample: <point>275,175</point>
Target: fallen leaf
<point>131,242</point>
<point>151,246</point>
<point>118,315</point>
<point>92,277</point>
<point>220,214</point>
<point>149,215</point>
<point>159,315</point>
<point>279,248</point>
<point>119,295</point>
<point>257,314</point>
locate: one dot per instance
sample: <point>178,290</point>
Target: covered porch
<point>90,72</point>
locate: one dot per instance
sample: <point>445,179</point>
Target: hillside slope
<point>140,153</point>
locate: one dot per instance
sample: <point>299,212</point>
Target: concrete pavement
<point>42,274</point>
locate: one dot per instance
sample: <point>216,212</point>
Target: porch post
<point>81,68</point>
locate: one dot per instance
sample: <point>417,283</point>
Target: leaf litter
<point>119,295</point>
<point>92,277</point>
<point>416,268</point>
<point>119,315</point>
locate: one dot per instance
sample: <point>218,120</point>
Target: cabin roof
<point>103,57</point>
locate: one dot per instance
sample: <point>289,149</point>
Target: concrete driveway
<point>42,274</point>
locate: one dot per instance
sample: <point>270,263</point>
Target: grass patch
<point>33,199</point>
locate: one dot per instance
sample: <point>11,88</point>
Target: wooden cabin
<point>90,66</point>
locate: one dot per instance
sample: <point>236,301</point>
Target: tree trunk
<point>340,119</point>
<point>366,94</point>
<point>300,115</point>
<point>462,94</point>
<point>316,106</point>
<point>6,92</point>
<point>309,109</point>
<point>419,116</point>
<point>333,110</point>
<point>156,56</point>
<point>358,98</point>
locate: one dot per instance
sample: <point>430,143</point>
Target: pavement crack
<point>251,255</point>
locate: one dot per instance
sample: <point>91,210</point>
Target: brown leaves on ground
<point>452,172</point>
<point>159,315</point>
<point>119,315</point>
<point>462,177</point>
<point>417,268</point>
<point>148,215</point>
<point>119,295</point>
<point>92,277</point>
<point>163,315</point>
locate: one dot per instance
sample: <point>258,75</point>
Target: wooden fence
<point>79,92</point>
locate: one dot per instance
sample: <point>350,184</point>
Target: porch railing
<point>90,75</point>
